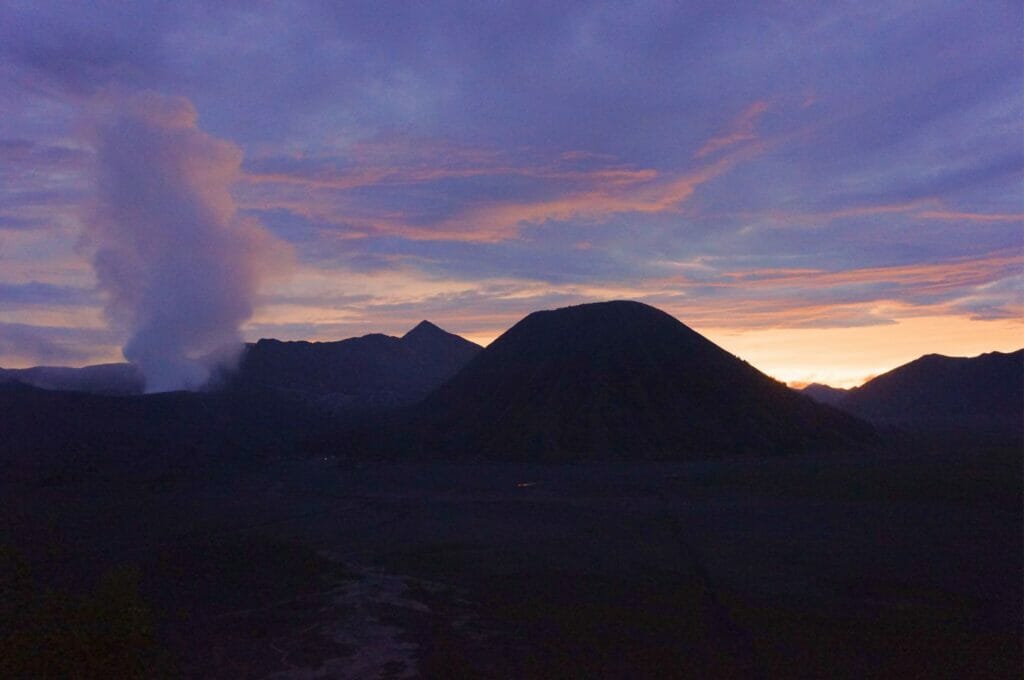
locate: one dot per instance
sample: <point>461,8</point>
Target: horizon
<point>828,199</point>
<point>486,340</point>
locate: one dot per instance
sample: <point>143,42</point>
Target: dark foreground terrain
<point>906,564</point>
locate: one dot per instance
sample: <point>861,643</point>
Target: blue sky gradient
<point>812,186</point>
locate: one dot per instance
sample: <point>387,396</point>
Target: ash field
<point>854,566</point>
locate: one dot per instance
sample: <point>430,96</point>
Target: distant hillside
<point>825,394</point>
<point>373,372</point>
<point>67,430</point>
<point>618,379</point>
<point>62,436</point>
<point>986,391</point>
<point>99,379</point>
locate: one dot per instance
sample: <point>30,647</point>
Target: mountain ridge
<point>824,394</point>
<point>111,378</point>
<point>367,373</point>
<point>613,379</point>
<point>935,388</point>
<point>424,357</point>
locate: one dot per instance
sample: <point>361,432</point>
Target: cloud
<point>19,223</point>
<point>950,276</point>
<point>454,143</point>
<point>499,221</point>
<point>956,216</point>
<point>472,203</point>
<point>179,266</point>
<point>741,130</point>
<point>23,345</point>
<point>14,295</point>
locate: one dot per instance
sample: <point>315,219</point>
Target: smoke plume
<point>179,265</point>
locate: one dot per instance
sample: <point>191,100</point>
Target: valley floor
<point>856,566</point>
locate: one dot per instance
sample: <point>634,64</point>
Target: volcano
<point>618,380</point>
<point>368,373</point>
<point>938,392</point>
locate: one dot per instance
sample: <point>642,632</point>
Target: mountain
<point>936,391</point>
<point>262,409</point>
<point>370,373</point>
<point>824,394</point>
<point>609,380</point>
<point>99,379</point>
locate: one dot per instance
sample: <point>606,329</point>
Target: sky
<point>827,190</point>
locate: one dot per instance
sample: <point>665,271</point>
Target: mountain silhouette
<point>617,379</point>
<point>98,379</point>
<point>824,394</point>
<point>985,391</point>
<point>372,372</point>
<point>64,435</point>
<point>275,400</point>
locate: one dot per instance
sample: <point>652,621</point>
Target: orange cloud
<point>588,193</point>
<point>971,217</point>
<point>741,130</point>
<point>812,218</point>
<point>609,191</point>
<point>501,221</point>
<point>925,209</point>
<point>804,298</point>
<point>926,277</point>
<point>400,164</point>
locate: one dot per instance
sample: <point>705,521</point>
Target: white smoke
<point>180,266</point>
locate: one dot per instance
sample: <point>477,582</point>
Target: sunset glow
<point>827,199</point>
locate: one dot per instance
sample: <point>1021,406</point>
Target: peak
<point>424,328</point>
<point>612,310</point>
<point>608,305</point>
<point>621,315</point>
<point>427,335</point>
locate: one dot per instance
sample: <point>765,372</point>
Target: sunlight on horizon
<point>849,357</point>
